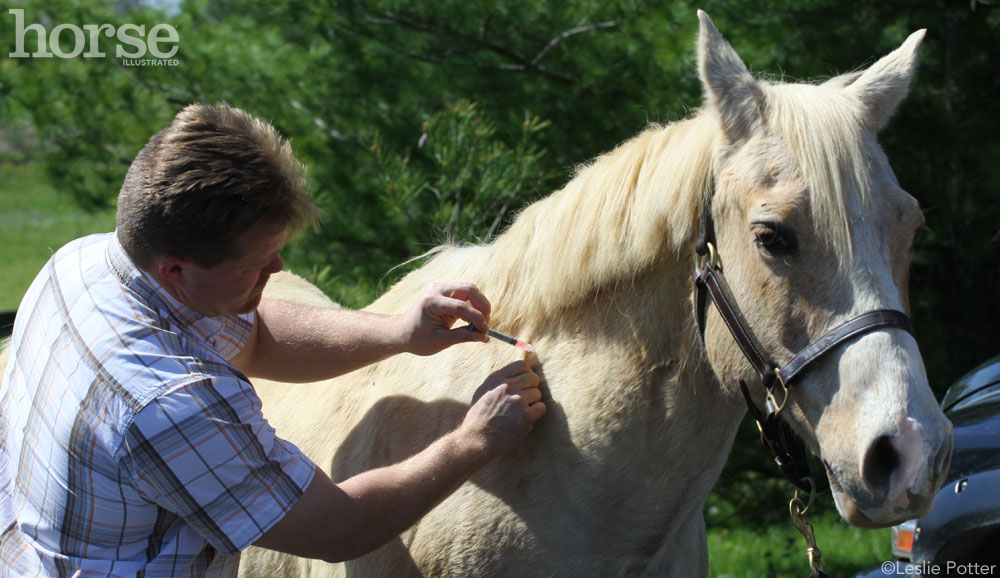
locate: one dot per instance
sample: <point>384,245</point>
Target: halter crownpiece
<point>788,450</point>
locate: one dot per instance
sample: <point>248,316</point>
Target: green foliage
<point>474,180</point>
<point>460,182</point>
<point>92,115</point>
<point>35,220</point>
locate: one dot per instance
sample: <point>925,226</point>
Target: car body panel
<point>977,438</point>
<point>965,389</point>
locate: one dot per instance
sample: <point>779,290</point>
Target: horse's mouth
<point>849,510</point>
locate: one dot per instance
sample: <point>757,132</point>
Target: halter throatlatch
<point>788,450</point>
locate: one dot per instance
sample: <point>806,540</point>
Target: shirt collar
<point>146,286</point>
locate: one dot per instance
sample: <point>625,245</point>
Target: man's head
<point>204,191</point>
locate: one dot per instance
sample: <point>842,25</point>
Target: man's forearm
<point>341,521</point>
<point>337,522</point>
<point>395,497</point>
<point>297,343</point>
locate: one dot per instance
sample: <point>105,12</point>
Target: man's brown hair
<point>198,184</point>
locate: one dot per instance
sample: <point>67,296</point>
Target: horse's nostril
<point>881,460</point>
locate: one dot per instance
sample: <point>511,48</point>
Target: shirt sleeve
<point>204,451</point>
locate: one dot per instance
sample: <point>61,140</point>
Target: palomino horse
<point>812,229</point>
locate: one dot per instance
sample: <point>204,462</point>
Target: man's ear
<point>171,270</point>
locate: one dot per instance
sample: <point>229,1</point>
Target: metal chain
<point>798,510</point>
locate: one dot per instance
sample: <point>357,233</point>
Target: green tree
<point>357,84</point>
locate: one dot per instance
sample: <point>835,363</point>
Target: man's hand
<point>427,327</point>
<point>504,408</point>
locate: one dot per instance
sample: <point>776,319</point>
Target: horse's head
<point>813,229</point>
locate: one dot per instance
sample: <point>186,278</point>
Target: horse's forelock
<point>824,131</point>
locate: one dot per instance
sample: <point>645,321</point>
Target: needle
<point>507,339</point>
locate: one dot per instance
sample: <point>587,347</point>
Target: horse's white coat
<point>597,276</point>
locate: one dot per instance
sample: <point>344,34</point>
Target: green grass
<point>779,551</point>
<point>35,220</point>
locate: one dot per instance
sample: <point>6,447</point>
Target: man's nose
<point>275,265</point>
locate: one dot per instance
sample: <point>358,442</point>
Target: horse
<point>811,228</point>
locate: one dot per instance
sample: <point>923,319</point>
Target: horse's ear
<point>729,87</point>
<point>884,84</point>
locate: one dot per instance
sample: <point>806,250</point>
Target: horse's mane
<point>609,223</point>
<point>627,209</point>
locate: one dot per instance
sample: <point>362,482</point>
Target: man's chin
<point>251,304</point>
<point>254,300</point>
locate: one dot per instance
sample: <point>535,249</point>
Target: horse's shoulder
<point>288,286</point>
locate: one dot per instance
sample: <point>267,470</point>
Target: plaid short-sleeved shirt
<point>130,446</point>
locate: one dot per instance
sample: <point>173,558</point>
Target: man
<point>133,442</point>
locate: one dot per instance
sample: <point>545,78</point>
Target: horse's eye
<point>774,240</point>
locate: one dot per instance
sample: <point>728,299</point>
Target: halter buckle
<point>771,404</point>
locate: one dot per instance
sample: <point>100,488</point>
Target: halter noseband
<point>788,450</point>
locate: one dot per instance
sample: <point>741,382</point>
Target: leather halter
<point>789,452</point>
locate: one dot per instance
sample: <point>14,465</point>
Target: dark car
<point>961,536</point>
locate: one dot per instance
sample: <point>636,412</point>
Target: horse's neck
<point>622,215</point>
<point>634,405</point>
<point>640,343</point>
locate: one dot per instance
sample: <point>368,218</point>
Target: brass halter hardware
<point>776,407</point>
